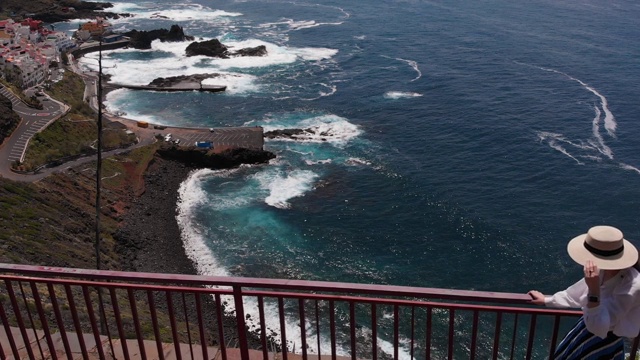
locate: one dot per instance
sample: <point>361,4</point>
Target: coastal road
<point>32,121</point>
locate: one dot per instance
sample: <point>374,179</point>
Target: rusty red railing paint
<point>229,318</point>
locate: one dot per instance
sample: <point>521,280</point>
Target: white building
<point>29,70</point>
<point>60,41</point>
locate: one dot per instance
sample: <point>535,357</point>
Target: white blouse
<point>619,308</point>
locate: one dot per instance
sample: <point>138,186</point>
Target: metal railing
<point>72,313</point>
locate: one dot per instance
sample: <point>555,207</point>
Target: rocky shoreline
<point>149,238</point>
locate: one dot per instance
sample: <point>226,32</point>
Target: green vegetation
<point>35,220</point>
<point>120,171</point>
<point>58,213</point>
<point>73,135</point>
<point>70,90</point>
<point>52,222</point>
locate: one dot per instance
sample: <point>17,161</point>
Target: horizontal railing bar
<point>119,285</point>
<point>417,303</point>
<point>288,295</point>
<point>388,290</point>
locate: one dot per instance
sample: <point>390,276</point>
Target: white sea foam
<point>125,7</point>
<point>236,83</point>
<point>137,72</point>
<point>117,100</point>
<point>175,62</point>
<point>294,25</point>
<point>331,89</point>
<point>553,141</point>
<point>602,147</point>
<point>284,186</point>
<point>312,162</point>
<point>175,12</point>
<point>400,95</point>
<point>327,128</point>
<point>609,120</point>
<point>388,348</point>
<point>629,167</point>
<point>314,54</point>
<point>597,142</point>
<point>191,196</point>
<point>411,63</point>
<point>357,162</point>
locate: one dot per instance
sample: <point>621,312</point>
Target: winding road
<point>32,121</point>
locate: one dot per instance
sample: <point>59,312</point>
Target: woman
<point>609,296</point>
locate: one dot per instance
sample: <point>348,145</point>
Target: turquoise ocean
<point>464,142</point>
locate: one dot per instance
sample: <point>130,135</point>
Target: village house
<point>27,49</point>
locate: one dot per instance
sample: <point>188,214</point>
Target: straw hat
<point>606,246</point>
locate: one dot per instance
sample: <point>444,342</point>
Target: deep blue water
<point>468,142</point>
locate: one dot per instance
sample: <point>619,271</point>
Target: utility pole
<point>99,165</point>
<point>102,319</point>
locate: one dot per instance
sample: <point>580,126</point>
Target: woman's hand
<point>592,277</point>
<point>537,298</point>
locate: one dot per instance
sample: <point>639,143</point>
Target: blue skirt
<point>581,344</point>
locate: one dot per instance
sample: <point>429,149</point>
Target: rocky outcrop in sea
<point>214,48</point>
<point>143,39</point>
<point>294,134</point>
<point>180,79</point>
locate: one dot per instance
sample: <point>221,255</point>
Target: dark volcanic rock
<point>82,10</point>
<point>213,48</point>
<point>225,160</point>
<point>254,51</point>
<point>174,80</point>
<point>149,238</point>
<point>287,133</point>
<point>143,39</point>
<point>176,33</point>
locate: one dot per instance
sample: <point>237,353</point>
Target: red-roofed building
<point>5,23</point>
<point>33,24</point>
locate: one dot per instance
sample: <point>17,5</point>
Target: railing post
<point>242,328</point>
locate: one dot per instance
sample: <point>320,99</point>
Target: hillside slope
<point>52,10</point>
